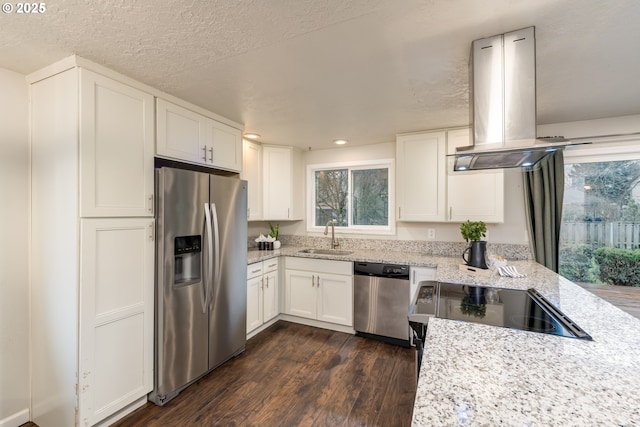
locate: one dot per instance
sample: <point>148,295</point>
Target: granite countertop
<point>478,375</point>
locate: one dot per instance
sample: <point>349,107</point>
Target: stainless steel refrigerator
<point>201,275</point>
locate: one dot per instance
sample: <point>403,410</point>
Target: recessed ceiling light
<point>251,135</point>
<point>340,141</point>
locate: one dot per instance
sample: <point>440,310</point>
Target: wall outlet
<point>431,233</point>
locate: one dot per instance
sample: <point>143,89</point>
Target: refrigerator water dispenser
<point>188,260</point>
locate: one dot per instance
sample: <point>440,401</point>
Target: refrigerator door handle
<point>208,276</point>
<point>215,277</point>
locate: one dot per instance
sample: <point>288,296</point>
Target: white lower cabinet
<point>116,315</point>
<point>262,294</point>
<point>319,289</point>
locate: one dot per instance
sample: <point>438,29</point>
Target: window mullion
<point>349,198</point>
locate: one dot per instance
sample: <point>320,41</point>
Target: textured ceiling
<point>305,72</point>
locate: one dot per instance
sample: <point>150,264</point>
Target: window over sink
<point>357,197</point>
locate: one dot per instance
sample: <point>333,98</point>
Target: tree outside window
<point>354,197</point>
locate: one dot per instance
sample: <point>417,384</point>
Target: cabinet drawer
<point>254,270</point>
<point>270,265</point>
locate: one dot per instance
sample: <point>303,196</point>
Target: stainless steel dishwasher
<point>381,301</point>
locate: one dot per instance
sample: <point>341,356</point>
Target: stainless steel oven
<point>381,301</point>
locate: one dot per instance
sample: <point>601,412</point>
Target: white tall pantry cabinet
<point>92,246</point>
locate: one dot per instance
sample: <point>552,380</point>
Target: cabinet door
<point>473,195</point>
<point>335,298</point>
<point>252,173</point>
<point>223,146</point>
<point>181,133</point>
<point>254,303</point>
<point>116,315</point>
<point>420,177</point>
<point>277,185</point>
<point>116,148</point>
<point>300,297</point>
<point>270,296</point>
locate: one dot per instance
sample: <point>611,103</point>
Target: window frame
<point>388,164</point>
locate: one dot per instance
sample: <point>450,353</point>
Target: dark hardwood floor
<point>295,375</point>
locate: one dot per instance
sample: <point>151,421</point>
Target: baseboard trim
<point>318,324</point>
<point>16,419</point>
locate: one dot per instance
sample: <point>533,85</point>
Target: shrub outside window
<point>600,234</point>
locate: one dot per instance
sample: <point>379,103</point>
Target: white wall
<point>14,216</point>
<point>512,231</point>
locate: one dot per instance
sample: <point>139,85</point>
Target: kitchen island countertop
<point>478,375</point>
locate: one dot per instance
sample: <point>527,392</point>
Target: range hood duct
<point>503,106</point>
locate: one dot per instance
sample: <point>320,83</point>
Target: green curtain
<point>543,192</point>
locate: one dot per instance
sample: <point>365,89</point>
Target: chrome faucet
<point>334,241</point>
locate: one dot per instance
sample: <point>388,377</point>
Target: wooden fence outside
<point>623,235</point>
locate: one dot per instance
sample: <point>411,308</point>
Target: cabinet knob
<point>267,283</point>
<point>211,154</point>
<point>152,231</point>
<point>204,153</point>
<point>151,203</point>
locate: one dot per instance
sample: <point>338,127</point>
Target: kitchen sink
<point>325,252</point>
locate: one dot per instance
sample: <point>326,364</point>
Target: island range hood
<point>503,105</point>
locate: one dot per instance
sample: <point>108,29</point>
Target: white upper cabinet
<point>420,177</point>
<point>472,195</point>
<point>180,133</point>
<point>116,148</point>
<point>223,146</point>
<point>282,183</point>
<point>185,135</point>
<point>428,190</point>
<point>252,173</point>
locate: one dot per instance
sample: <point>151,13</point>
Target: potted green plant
<point>475,254</point>
<point>473,230</point>
<point>274,231</point>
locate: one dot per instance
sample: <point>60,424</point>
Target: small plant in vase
<point>472,232</point>
<point>274,231</point>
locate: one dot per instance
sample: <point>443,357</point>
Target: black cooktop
<point>510,308</point>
